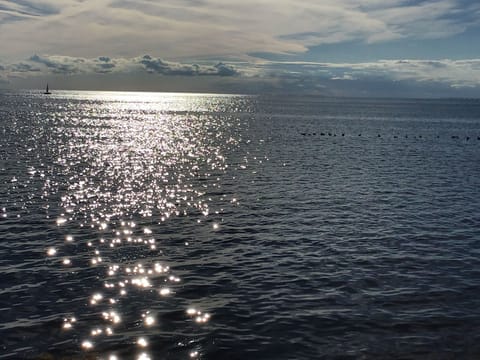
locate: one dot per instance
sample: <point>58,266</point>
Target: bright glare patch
<point>149,320</point>
<point>61,221</point>
<point>144,356</point>
<point>87,345</point>
<point>111,316</point>
<point>51,251</point>
<point>191,311</point>
<point>142,282</point>
<point>202,319</point>
<point>96,298</point>
<point>96,332</point>
<point>68,323</point>
<point>142,342</point>
<point>67,326</point>
<point>165,291</point>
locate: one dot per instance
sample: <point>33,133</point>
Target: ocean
<point>209,226</point>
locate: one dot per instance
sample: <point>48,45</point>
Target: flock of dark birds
<point>379,135</point>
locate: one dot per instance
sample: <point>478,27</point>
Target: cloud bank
<point>68,65</point>
<point>454,73</point>
<point>160,66</point>
<point>383,77</point>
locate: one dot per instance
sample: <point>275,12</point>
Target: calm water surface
<point>170,226</point>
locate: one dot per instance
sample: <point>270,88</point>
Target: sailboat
<point>47,92</point>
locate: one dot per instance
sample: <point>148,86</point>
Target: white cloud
<point>454,73</point>
<point>457,73</point>
<point>215,28</point>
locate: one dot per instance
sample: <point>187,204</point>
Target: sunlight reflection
<point>165,291</point>
<point>96,298</point>
<point>87,345</point>
<point>149,320</point>
<point>136,162</point>
<point>68,323</point>
<point>144,356</point>
<point>199,317</point>
<point>111,316</point>
<point>142,342</point>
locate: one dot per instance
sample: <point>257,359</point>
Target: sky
<point>406,48</point>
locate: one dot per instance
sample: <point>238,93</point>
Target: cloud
<point>402,77</point>
<point>24,68</point>
<point>216,29</point>
<point>59,65</point>
<point>68,65</point>
<point>160,66</point>
<point>455,73</point>
<point>18,10</point>
<point>451,73</point>
<point>225,70</point>
<point>24,8</point>
<point>427,19</point>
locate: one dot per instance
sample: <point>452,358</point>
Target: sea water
<point>190,226</point>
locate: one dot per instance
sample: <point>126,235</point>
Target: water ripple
<point>202,226</point>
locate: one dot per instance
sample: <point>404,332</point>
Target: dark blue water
<point>169,226</point>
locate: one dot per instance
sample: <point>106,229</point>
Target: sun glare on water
<point>135,162</point>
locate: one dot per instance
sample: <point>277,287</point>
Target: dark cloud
<point>104,65</point>
<point>104,68</point>
<point>66,65</point>
<point>57,66</point>
<point>159,66</point>
<point>24,68</point>
<point>225,70</point>
<point>107,66</point>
